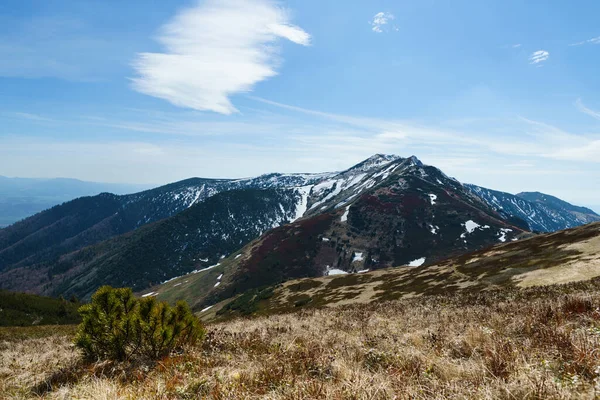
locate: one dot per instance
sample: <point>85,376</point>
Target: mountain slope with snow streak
<point>365,218</point>
<point>540,215</point>
<point>190,241</point>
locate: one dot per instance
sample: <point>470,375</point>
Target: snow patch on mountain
<point>302,204</point>
<point>335,271</point>
<point>417,263</point>
<point>502,234</point>
<point>345,214</point>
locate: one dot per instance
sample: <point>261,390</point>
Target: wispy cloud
<point>595,40</point>
<point>26,116</point>
<point>516,46</point>
<point>538,57</point>
<point>214,50</point>
<point>380,20</point>
<point>585,110</point>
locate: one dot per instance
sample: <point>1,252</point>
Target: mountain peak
<point>375,161</point>
<point>415,161</point>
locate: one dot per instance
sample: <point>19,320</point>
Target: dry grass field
<point>533,343</point>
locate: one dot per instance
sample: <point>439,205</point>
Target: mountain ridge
<point>384,211</point>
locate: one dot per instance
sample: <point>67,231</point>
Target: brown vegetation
<point>538,343</point>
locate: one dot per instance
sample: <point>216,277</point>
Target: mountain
<point>542,212</point>
<point>23,197</point>
<point>395,212</point>
<point>385,211</point>
<point>41,240</point>
<point>193,239</point>
<point>582,214</point>
<point>550,259</point>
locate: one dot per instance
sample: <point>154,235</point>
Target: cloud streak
<point>538,57</point>
<point>595,40</point>
<point>594,114</point>
<point>214,50</point>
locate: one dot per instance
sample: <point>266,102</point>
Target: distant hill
<point>542,212</point>
<point>581,214</point>
<point>20,309</point>
<point>23,197</point>
<point>193,239</point>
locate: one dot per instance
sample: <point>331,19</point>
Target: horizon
<point>164,93</point>
<point>594,208</point>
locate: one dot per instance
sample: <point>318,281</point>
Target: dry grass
<point>541,343</point>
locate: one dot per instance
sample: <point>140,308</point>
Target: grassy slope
<point>20,309</point>
<point>561,257</point>
<point>534,343</point>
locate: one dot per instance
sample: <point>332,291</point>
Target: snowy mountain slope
<point>384,211</point>
<point>191,240</point>
<point>89,220</point>
<point>396,213</point>
<point>582,215</point>
<point>541,216</point>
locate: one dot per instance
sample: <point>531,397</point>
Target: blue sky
<point>504,94</point>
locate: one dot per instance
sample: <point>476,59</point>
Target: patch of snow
<point>433,198</point>
<point>357,257</point>
<point>325,239</point>
<point>150,294</point>
<point>471,225</point>
<point>345,215</point>
<point>325,185</point>
<point>362,271</point>
<point>417,263</point>
<point>220,276</point>
<point>204,259</point>
<point>302,205</point>
<point>206,309</point>
<point>177,284</point>
<point>238,256</point>
<point>336,272</point>
<point>434,229</point>
<point>205,269</point>
<point>217,284</point>
<point>502,234</point>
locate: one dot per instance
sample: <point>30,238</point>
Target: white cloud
<point>595,40</point>
<point>516,46</point>
<point>214,50</point>
<point>539,56</point>
<point>380,20</point>
<point>585,110</point>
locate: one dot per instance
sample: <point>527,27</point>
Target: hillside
<point>582,215</point>
<point>536,343</point>
<point>542,212</point>
<point>23,197</point>
<point>38,242</point>
<point>403,213</point>
<point>191,240</point>
<point>20,309</point>
<point>557,258</point>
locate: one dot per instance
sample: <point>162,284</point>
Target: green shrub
<point>118,326</point>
